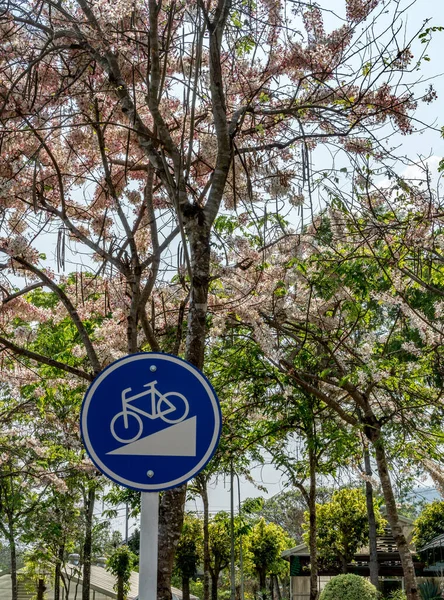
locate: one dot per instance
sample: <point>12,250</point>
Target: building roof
<point>301,549</point>
<point>436,542</point>
<point>101,581</point>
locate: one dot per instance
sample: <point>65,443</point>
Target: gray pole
<point>149,524</point>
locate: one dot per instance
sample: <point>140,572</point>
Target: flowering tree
<point>126,125</point>
<point>302,436</point>
<point>340,312</point>
<point>30,475</point>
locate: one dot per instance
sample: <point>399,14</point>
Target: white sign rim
<point>133,484</point>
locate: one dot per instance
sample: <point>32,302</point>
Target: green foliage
<point>342,527</point>
<point>105,540</point>
<point>117,496</point>
<point>134,541</point>
<point>220,539</point>
<point>429,590</point>
<point>426,35</point>
<point>349,587</point>
<point>265,543</point>
<point>188,552</point>
<point>196,588</point>
<point>120,564</point>
<point>397,595</point>
<point>252,506</point>
<point>429,524</point>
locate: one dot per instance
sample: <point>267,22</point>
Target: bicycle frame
<point>125,401</point>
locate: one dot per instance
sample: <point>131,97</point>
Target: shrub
<point>397,595</point>
<point>429,590</point>
<point>349,587</point>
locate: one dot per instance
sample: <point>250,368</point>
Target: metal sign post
<point>149,525</point>
<point>150,422</point>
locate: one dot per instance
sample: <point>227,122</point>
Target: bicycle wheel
<point>172,407</point>
<point>119,420</point>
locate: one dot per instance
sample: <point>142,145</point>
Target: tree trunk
<point>13,555</point>
<point>214,582</point>
<point>344,565</point>
<point>41,589</point>
<point>206,541</point>
<point>87,545</point>
<point>197,316</point>
<point>120,593</point>
<point>373,564</point>
<point>313,526</point>
<point>262,580</point>
<point>170,528</point>
<point>58,569</point>
<point>173,501</point>
<point>185,588</point>
<point>411,587</point>
<point>278,587</point>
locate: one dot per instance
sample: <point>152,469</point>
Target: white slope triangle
<point>177,440</point>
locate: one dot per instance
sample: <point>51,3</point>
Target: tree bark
<point>58,569</point>
<point>41,589</point>
<point>214,582</point>
<point>411,588</point>
<point>199,235</point>
<point>120,593</point>
<point>87,545</point>
<point>173,501</point>
<point>372,535</point>
<point>185,588</point>
<point>313,525</point>
<point>170,528</point>
<point>13,555</point>
<point>262,579</point>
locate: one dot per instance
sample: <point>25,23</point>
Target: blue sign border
<point>136,485</point>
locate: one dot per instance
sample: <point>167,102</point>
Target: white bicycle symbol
<point>161,405</point>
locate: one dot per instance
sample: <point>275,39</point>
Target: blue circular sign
<point>150,421</point>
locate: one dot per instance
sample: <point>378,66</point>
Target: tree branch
<point>40,358</point>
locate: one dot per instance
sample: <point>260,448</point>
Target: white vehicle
<point>161,405</point>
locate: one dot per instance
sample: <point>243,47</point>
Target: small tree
<point>188,552</point>
<point>120,564</point>
<point>219,542</point>
<point>342,527</point>
<point>429,524</point>
<point>266,541</point>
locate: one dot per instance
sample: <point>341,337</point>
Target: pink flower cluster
<point>358,10</point>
